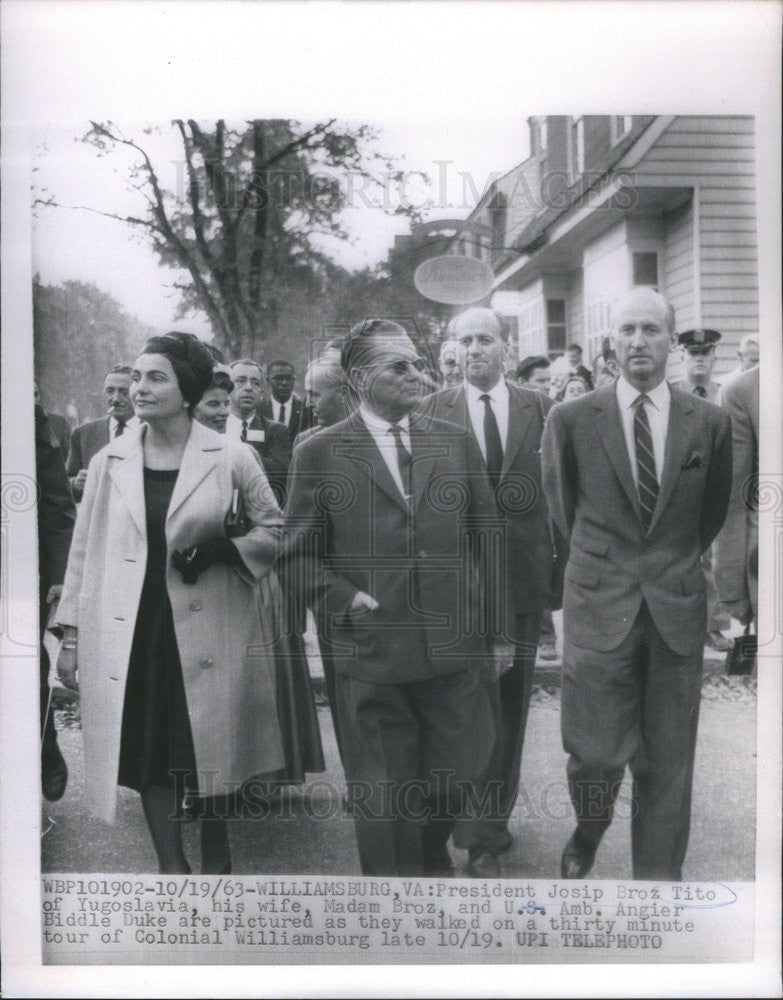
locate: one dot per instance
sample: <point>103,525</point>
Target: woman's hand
<point>193,561</point>
<point>67,660</point>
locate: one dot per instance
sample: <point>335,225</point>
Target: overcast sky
<point>460,157</point>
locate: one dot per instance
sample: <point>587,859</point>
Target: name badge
<point>256,436</point>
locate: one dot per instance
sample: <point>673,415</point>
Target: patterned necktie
<point>699,390</point>
<point>403,460</point>
<point>492,441</point>
<point>243,435</point>
<point>645,461</point>
<point>120,428</point>
<point>282,413</point>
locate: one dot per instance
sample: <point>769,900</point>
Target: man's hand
<point>54,593</point>
<point>502,659</point>
<point>741,610</point>
<point>362,602</point>
<point>78,481</point>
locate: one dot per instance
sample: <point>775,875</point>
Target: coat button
<point>205,664</point>
<point>196,606</point>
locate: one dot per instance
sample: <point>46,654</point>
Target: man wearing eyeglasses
<point>379,544</point>
<point>282,404</point>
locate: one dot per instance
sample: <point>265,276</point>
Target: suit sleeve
<point>719,478</point>
<point>559,472</point>
<point>304,561</point>
<point>276,458</point>
<point>56,510</point>
<point>731,554</point>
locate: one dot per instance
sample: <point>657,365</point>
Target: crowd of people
<point>429,535</point>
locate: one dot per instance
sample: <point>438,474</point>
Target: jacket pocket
<point>595,546</point>
<point>584,577</point>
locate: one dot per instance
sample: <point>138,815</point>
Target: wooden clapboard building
<point>606,202</point>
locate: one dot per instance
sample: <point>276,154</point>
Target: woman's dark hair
<point>221,380</point>
<point>192,362</point>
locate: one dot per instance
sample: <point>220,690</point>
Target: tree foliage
<point>79,332</point>
<point>248,216</point>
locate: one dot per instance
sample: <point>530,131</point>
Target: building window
<point>621,126</point>
<point>578,147</point>
<point>645,269</point>
<point>555,326</point>
<point>542,136</point>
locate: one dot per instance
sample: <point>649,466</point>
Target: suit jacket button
<point>205,664</point>
<point>196,606</point>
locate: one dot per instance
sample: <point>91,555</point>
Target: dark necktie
<point>403,460</point>
<point>120,428</point>
<point>699,390</point>
<point>645,461</point>
<point>282,413</point>
<point>243,435</point>
<point>492,441</point>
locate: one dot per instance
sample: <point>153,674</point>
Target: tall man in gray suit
<point>637,476</point>
<point>88,439</point>
<point>503,424</point>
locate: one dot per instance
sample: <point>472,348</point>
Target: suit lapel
<point>678,437</point>
<point>128,475</point>
<point>366,456</point>
<point>521,421</point>
<point>610,434</point>
<point>198,460</point>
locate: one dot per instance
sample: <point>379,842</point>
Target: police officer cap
<point>698,338</point>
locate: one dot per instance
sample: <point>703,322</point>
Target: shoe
<point>54,776</point>
<point>718,641</point>
<point>578,857</point>
<point>482,863</point>
<point>547,651</point>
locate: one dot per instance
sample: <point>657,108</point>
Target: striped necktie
<point>243,435</point>
<point>119,429</point>
<point>645,461</point>
<point>282,413</point>
<point>403,460</point>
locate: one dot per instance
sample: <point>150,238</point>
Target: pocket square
<point>693,462</point>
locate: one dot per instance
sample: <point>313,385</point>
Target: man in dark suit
<point>736,547</point>
<point>269,438</point>
<point>88,439</point>
<point>380,543</point>
<point>637,476</point>
<point>58,425</point>
<point>503,425</point>
<point>56,515</point>
<point>282,404</point>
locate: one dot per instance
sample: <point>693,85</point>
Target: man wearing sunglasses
<point>379,544</point>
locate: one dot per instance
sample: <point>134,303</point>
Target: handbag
<point>236,521</point>
<point>741,658</point>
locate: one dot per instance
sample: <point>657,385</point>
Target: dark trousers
<point>547,633</point>
<point>487,828</point>
<point>638,705</point>
<point>409,751</point>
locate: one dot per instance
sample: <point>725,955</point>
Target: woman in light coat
<point>177,685</point>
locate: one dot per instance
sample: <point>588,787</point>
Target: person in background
<point>332,395</point>
<point>282,404</point>
<point>698,353</point>
<point>605,369</point>
<point>533,373</point>
<point>448,363</point>
<point>748,354</point>
<point>58,424</point>
<point>88,439</point>
<point>735,552</point>
<point>575,386</point>
<point>503,424</point>
<point>369,527</point>
<point>56,514</point>
<point>159,613</point>
<point>269,438</point>
<point>637,476</point>
<point>296,712</point>
<point>570,364</point>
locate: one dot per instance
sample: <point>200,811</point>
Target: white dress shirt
<point>380,430</point>
<point>657,409</point>
<point>498,395</point>
<point>113,422</point>
<point>286,410</point>
<point>234,425</point>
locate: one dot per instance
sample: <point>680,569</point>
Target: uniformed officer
<point>698,354</point>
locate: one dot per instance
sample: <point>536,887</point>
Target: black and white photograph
<point>391,508</point>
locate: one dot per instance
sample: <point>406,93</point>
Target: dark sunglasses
<point>402,367</point>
